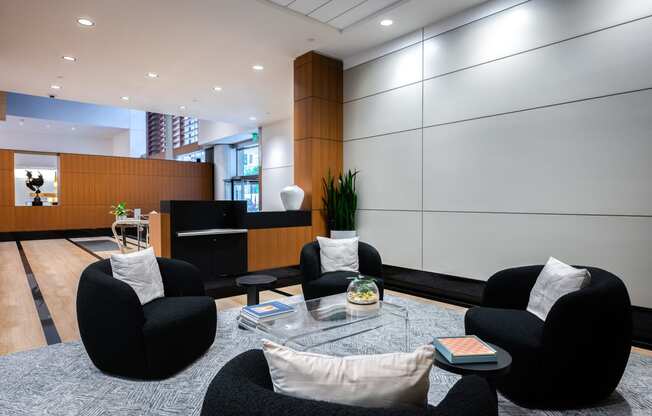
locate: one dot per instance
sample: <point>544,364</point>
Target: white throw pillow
<point>555,280</point>
<point>385,380</point>
<point>140,271</point>
<point>338,255</point>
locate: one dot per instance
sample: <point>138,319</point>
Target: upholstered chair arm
<point>309,262</point>
<point>472,395</point>
<point>510,288</point>
<point>180,278</point>
<point>370,262</point>
<point>110,319</point>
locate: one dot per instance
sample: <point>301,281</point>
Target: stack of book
<point>265,311</point>
<point>465,350</point>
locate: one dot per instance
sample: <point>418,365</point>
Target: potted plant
<point>120,211</point>
<point>340,202</point>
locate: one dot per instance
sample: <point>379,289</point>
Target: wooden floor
<point>56,265</point>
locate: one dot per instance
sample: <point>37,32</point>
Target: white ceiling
<point>193,45</point>
<point>34,127</point>
<point>339,14</point>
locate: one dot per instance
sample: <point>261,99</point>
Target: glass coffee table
<point>332,324</point>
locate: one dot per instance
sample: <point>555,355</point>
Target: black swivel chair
<point>576,357</point>
<point>316,284</point>
<point>151,341</point>
<point>244,387</point>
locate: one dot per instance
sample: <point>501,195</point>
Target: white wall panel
<point>526,26</point>
<point>273,181</point>
<point>395,234</point>
<point>584,157</point>
<point>478,245</point>
<point>392,71</point>
<point>277,144</point>
<point>389,112</point>
<point>606,62</point>
<point>390,170</point>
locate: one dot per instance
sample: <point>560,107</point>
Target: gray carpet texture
<point>61,380</point>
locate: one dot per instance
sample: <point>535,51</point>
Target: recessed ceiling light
<point>55,87</point>
<point>47,125</point>
<point>386,22</point>
<point>69,58</point>
<point>85,22</point>
<point>252,118</point>
<point>217,88</point>
<point>73,128</point>
<point>21,122</point>
<point>258,67</point>
<point>124,98</point>
<point>152,75</point>
<point>182,107</point>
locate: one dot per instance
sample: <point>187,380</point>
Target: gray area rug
<point>61,380</point>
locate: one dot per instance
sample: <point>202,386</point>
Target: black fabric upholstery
<point>243,387</point>
<point>576,357</point>
<point>150,341</point>
<point>317,285</point>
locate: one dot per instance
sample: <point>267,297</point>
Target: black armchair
<point>150,341</point>
<point>576,357</point>
<point>316,284</point>
<point>244,387</point>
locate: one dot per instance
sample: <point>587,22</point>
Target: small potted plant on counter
<point>340,201</point>
<point>120,211</point>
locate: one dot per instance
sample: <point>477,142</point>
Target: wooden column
<point>317,129</point>
<point>3,106</point>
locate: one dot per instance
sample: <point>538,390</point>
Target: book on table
<point>266,311</point>
<point>465,350</point>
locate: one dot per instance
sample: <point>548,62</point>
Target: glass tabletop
<point>325,320</point>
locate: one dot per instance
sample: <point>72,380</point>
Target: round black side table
<point>254,283</point>
<point>489,371</point>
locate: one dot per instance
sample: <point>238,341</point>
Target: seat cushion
<point>177,330</point>
<point>332,283</point>
<point>511,329</point>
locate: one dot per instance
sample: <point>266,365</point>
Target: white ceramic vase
<point>338,234</point>
<point>292,197</point>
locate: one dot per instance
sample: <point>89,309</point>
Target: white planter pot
<point>339,234</point>
<point>292,197</point>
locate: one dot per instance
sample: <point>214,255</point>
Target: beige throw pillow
<point>338,255</point>
<point>385,380</point>
<point>555,280</point>
<point>140,271</point>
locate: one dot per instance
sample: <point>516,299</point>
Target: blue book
<point>465,350</point>
<point>266,310</point>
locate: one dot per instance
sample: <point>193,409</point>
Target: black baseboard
<point>55,234</point>
<point>642,328</point>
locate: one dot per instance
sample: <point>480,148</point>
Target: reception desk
<point>223,239</point>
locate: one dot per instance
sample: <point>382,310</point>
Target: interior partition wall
<point>514,132</point>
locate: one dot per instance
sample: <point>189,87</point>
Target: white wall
<point>277,163</point>
<point>486,143</point>
<point>121,144</point>
<point>48,142</point>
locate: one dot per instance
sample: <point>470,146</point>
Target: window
<point>185,130</point>
<point>193,156</point>
<point>155,133</point>
<point>248,161</point>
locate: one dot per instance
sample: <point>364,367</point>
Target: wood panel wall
<point>318,129</point>
<point>275,247</point>
<point>89,185</point>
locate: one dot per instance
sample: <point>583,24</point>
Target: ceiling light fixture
<point>386,22</point>
<point>152,75</point>
<point>55,87</point>
<point>124,98</point>
<point>69,58</point>
<point>21,122</point>
<point>73,128</point>
<point>258,67</point>
<point>217,88</point>
<point>182,107</point>
<point>252,118</point>
<point>85,22</point>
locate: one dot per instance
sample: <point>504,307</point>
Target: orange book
<point>465,350</point>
